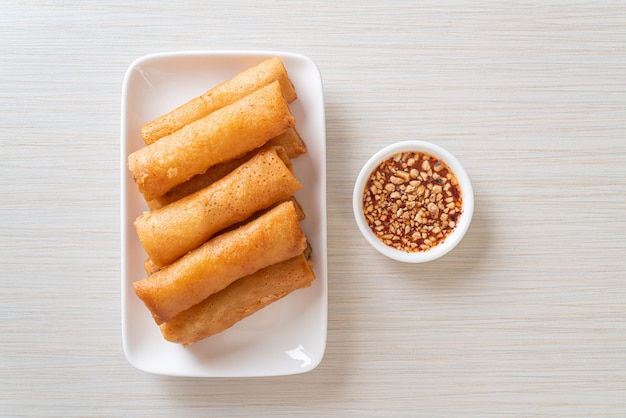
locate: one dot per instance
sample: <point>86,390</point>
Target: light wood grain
<point>525,318</point>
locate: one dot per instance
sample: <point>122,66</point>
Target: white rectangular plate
<point>287,337</point>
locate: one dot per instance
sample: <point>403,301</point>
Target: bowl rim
<point>467,193</point>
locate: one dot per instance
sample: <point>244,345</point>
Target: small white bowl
<point>464,219</point>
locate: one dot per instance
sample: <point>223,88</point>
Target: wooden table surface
<point>527,317</point>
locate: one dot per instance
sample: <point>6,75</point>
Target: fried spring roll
<point>151,268</point>
<point>272,238</point>
<point>241,299</point>
<point>290,141</point>
<point>170,232</point>
<point>220,96</point>
<point>223,135</point>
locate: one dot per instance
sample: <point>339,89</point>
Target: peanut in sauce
<point>412,201</point>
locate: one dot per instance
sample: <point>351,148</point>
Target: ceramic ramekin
<point>464,219</point>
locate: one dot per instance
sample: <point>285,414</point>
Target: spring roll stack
<point>223,233</point>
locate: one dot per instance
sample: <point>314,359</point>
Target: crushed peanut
<point>412,201</point>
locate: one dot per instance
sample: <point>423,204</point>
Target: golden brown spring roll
<point>290,141</point>
<point>273,237</point>
<point>223,135</point>
<point>212,175</point>
<point>239,300</point>
<point>219,96</point>
<point>151,268</point>
<point>170,232</point>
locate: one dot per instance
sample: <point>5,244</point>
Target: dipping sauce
<point>412,201</point>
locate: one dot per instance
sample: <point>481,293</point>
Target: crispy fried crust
<point>220,96</point>
<point>241,299</point>
<point>221,136</point>
<point>273,237</point>
<point>172,231</point>
<point>289,140</point>
<point>151,268</point>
